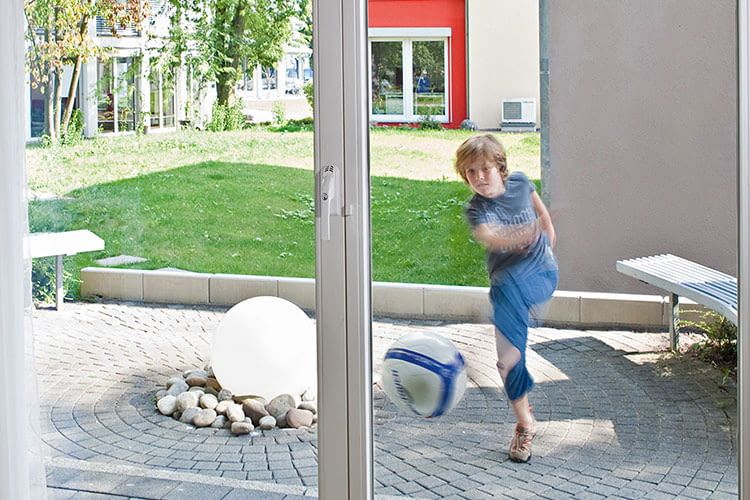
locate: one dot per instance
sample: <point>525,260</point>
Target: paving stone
<point>610,422</point>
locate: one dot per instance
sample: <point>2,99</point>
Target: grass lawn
<point>179,201</point>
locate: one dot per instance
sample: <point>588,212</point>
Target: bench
<point>681,277</point>
<point>59,245</point>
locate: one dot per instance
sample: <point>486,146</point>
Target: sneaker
<point>520,445</point>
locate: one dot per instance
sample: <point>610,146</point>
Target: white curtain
<point>21,463</point>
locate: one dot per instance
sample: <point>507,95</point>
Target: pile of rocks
<point>197,398</point>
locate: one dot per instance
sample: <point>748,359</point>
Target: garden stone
<point>221,408</point>
<point>308,405</point>
<point>178,388</point>
<point>267,423</point>
<point>281,421</point>
<point>187,400</point>
<point>160,394</point>
<point>254,409</point>
<point>213,384</point>
<point>167,405</point>
<point>172,381</point>
<point>220,422</point>
<point>177,414</point>
<point>468,125</point>
<point>208,401</point>
<point>296,418</point>
<point>189,414</point>
<point>225,395</point>
<point>315,419</point>
<point>235,413</point>
<point>204,418</point>
<point>308,396</point>
<point>198,390</point>
<point>241,428</point>
<point>196,380</point>
<point>280,405</point>
<point>212,391</point>
<point>196,373</point>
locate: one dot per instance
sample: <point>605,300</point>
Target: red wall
<point>432,14</point>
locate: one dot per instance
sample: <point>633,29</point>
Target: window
<point>162,104</point>
<point>116,108</point>
<point>408,79</point>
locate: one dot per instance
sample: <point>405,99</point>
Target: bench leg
<point>59,292</point>
<point>674,318</point>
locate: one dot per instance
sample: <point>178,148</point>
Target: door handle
<point>327,197</point>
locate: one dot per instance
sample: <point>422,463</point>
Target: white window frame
<point>407,36</point>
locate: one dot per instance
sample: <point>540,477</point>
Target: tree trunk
<point>58,101</point>
<point>223,90</point>
<point>72,91</point>
<point>49,107</point>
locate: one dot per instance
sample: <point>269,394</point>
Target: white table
<point>59,245</point>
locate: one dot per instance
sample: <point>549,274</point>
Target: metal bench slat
<point>683,266</point>
<point>680,270</point>
<point>688,279</point>
<point>720,285</point>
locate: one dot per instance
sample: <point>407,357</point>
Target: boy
<point>510,220</point>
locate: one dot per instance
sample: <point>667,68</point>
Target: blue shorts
<point>512,299</point>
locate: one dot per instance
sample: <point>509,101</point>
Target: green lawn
<point>243,216</point>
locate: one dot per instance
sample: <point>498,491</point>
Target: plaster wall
<point>643,136</point>
<point>503,56</point>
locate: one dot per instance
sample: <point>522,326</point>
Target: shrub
<point>719,347</point>
<point>74,133</point>
<point>308,89</point>
<point>279,112</point>
<point>427,122</point>
<point>226,117</point>
<point>299,125</point>
<point>43,280</point>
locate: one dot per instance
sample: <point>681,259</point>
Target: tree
<point>58,36</point>
<point>216,36</point>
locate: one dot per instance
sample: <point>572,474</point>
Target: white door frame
<point>342,290</point>
<point>743,179</point>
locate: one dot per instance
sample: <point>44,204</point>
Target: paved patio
<point>616,418</point>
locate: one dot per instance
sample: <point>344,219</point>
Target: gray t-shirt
<point>512,214</point>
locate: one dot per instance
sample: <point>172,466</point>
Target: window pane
<point>153,80</point>
<point>387,78</point>
<point>105,103</point>
<point>167,97</point>
<point>125,93</point>
<point>428,63</point>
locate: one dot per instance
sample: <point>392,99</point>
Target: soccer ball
<point>424,374</point>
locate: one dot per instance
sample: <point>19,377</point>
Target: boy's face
<point>485,179</point>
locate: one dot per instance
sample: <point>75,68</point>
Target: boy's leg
<point>508,357</point>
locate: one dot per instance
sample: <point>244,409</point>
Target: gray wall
<point>643,135</point>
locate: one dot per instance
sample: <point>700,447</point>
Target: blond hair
<point>481,149</point>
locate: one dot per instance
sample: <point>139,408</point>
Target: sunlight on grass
<point>413,154</point>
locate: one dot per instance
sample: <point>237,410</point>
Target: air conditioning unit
<point>519,113</point>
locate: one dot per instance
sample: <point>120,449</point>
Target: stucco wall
<point>643,135</point>
<point>503,56</point>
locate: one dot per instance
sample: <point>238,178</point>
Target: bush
<point>300,125</point>
<point>720,344</point>
<point>43,280</point>
<point>74,133</point>
<point>427,122</point>
<point>308,89</point>
<point>226,117</point>
<point>279,112</point>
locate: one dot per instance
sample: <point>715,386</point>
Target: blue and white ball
<point>424,374</point>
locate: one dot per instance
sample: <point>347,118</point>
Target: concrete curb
<point>396,300</point>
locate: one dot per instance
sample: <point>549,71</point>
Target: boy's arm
<point>515,238</point>
<point>544,219</point>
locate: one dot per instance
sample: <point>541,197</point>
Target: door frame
<point>343,275</point>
